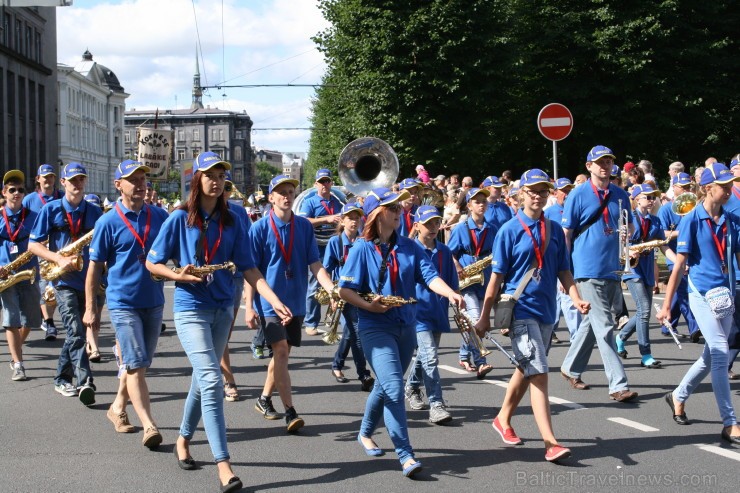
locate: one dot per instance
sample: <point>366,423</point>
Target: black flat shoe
<point>680,419</point>
<point>367,383</point>
<point>340,379</point>
<point>187,464</point>
<point>730,438</point>
<point>234,484</point>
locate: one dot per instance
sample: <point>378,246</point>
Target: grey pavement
<point>53,443</point>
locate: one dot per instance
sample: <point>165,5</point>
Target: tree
<point>265,172</point>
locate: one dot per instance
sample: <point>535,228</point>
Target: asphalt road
<point>54,444</point>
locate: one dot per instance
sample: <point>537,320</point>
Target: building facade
<point>293,164</point>
<point>28,71</point>
<point>92,103</point>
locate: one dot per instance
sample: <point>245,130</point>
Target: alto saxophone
<point>392,301</point>
<point>50,271</point>
<point>24,275</point>
<point>201,271</point>
<point>473,273</point>
<point>467,331</point>
<point>7,271</point>
<point>332,321</point>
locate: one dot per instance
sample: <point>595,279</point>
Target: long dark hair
<point>372,228</point>
<point>192,206</point>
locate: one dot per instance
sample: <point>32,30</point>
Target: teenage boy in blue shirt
<point>591,226</point>
<point>284,248</point>
<point>409,206</point>
<point>497,212</point>
<point>122,241</point>
<point>63,222</point>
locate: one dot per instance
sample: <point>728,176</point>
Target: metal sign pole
<point>555,159</point>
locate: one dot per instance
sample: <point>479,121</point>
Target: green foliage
<point>265,172</point>
<point>456,85</point>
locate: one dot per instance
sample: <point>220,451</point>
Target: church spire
<point>197,91</point>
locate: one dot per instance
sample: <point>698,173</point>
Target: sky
<point>151,45</point>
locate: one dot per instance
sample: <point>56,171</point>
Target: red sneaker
<point>507,435</point>
<point>556,453</point>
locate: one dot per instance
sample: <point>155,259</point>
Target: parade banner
<point>185,178</point>
<point>155,151</point>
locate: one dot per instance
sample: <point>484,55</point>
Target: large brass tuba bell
<point>367,163</point>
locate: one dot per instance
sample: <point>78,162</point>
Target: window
<point>5,30</point>
<point>238,153</point>
<point>181,154</point>
<point>214,134</point>
<point>196,134</point>
<point>196,151</point>
<point>239,134</point>
<point>220,134</point>
<point>127,137</point>
<point>18,36</point>
<point>181,135</point>
<point>29,41</point>
<point>115,114</point>
<point>37,46</point>
<point>116,149</point>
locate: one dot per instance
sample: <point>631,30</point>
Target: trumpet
<point>322,296</point>
<point>201,271</point>
<point>467,331</point>
<point>50,271</point>
<point>332,321</point>
<point>623,239</point>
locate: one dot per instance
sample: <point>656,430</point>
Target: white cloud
<point>150,45</point>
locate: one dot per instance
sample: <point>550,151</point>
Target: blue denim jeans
<point>680,306</point>
<point>350,341</point>
<point>713,360</point>
<point>388,351</point>
<point>425,366</point>
<point>736,320</point>
<point>469,352</point>
<point>137,333</point>
<point>570,313</point>
<point>640,321</point>
<point>73,361</point>
<point>203,335</point>
<point>313,308</point>
<point>597,326</point>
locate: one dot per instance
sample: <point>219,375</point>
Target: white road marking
<point>632,424</point>
<point>720,451</point>
<point>459,371</point>
<point>563,402</point>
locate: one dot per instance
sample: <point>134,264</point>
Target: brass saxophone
<point>50,271</point>
<point>467,331</point>
<point>332,321</point>
<point>473,273</point>
<point>392,301</point>
<point>12,279</point>
<point>647,246</point>
<point>201,271</point>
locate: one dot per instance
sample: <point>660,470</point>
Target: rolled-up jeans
<point>640,321</point>
<point>388,351</point>
<point>73,359</point>
<point>426,366</point>
<point>203,334</point>
<point>713,360</point>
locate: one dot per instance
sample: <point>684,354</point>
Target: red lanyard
<point>328,207</point>
<point>12,236</point>
<point>141,241</point>
<point>735,192</point>
<point>286,254</point>
<point>73,229</point>
<point>211,254</point>
<point>720,245</point>
<point>439,261</point>
<point>478,244</point>
<point>43,201</point>
<point>538,249</point>
<point>644,226</point>
<point>393,265</point>
<point>407,220</point>
<point>601,200</point>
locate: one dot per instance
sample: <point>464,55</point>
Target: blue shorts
<point>20,307</point>
<point>528,338</point>
<point>137,332</point>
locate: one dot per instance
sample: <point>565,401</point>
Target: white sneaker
<point>66,389</point>
<point>19,373</point>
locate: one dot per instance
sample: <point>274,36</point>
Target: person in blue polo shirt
<point>409,206</point>
<point>530,249</point>
<point>431,320</point>
<point>285,250</point>
<point>733,205</point>
<point>62,222</point>
<point>641,280</point>
<point>591,225</point>
<point>46,191</point>
<point>707,243</point>
<point>199,233</point>
<point>497,212</point>
<point>681,183</point>
<point>19,306</point>
<point>388,264</point>
<point>121,242</point>
<point>470,242</point>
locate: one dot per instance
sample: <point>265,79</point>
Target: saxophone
<point>332,321</point>
<point>201,271</point>
<point>473,273</point>
<point>24,275</point>
<point>392,301</point>
<point>50,271</point>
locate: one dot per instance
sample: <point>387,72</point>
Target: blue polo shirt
<point>52,224</point>
<point>241,213</point>
<point>336,250</point>
<point>182,243</point>
<point>461,245</point>
<point>645,269</point>
<point>670,221</point>
<point>555,213</point>
<point>36,200</point>
<point>362,270</point>
<point>20,223</point>
<point>407,221</point>
<point>432,310</point>
<point>596,251</point>
<point>115,244</point>
<point>315,206</point>
<point>269,260</point>
<point>514,255</point>
<point>733,206</point>
<point>696,240</point>
<point>497,214</point>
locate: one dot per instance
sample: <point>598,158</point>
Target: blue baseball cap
<point>475,191</point>
<point>382,196</point>
<point>681,179</point>
<point>615,171</point>
<point>149,184</point>
<point>599,152</point>
<point>279,180</point>
<point>492,181</point>
<point>717,173</point>
<point>643,189</point>
<point>562,183</point>
<point>408,183</point>
<point>71,170</point>
<point>128,167</point>
<point>46,169</point>
<point>93,199</point>
<point>426,212</point>
<point>207,160</point>
<point>323,173</point>
<point>533,177</point>
<point>351,207</point>
<point>513,191</point>
<point>734,163</point>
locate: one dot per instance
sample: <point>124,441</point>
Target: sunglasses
<point>324,181</point>
<point>12,190</point>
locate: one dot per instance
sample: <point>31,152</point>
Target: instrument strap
<point>599,212</point>
<point>383,271</point>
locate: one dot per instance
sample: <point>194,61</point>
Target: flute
<point>669,327</point>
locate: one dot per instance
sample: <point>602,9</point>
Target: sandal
<point>484,370</point>
<point>467,366</point>
<point>231,394</point>
<point>504,332</point>
<point>94,356</point>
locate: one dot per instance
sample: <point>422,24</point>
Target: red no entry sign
<point>555,122</point>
